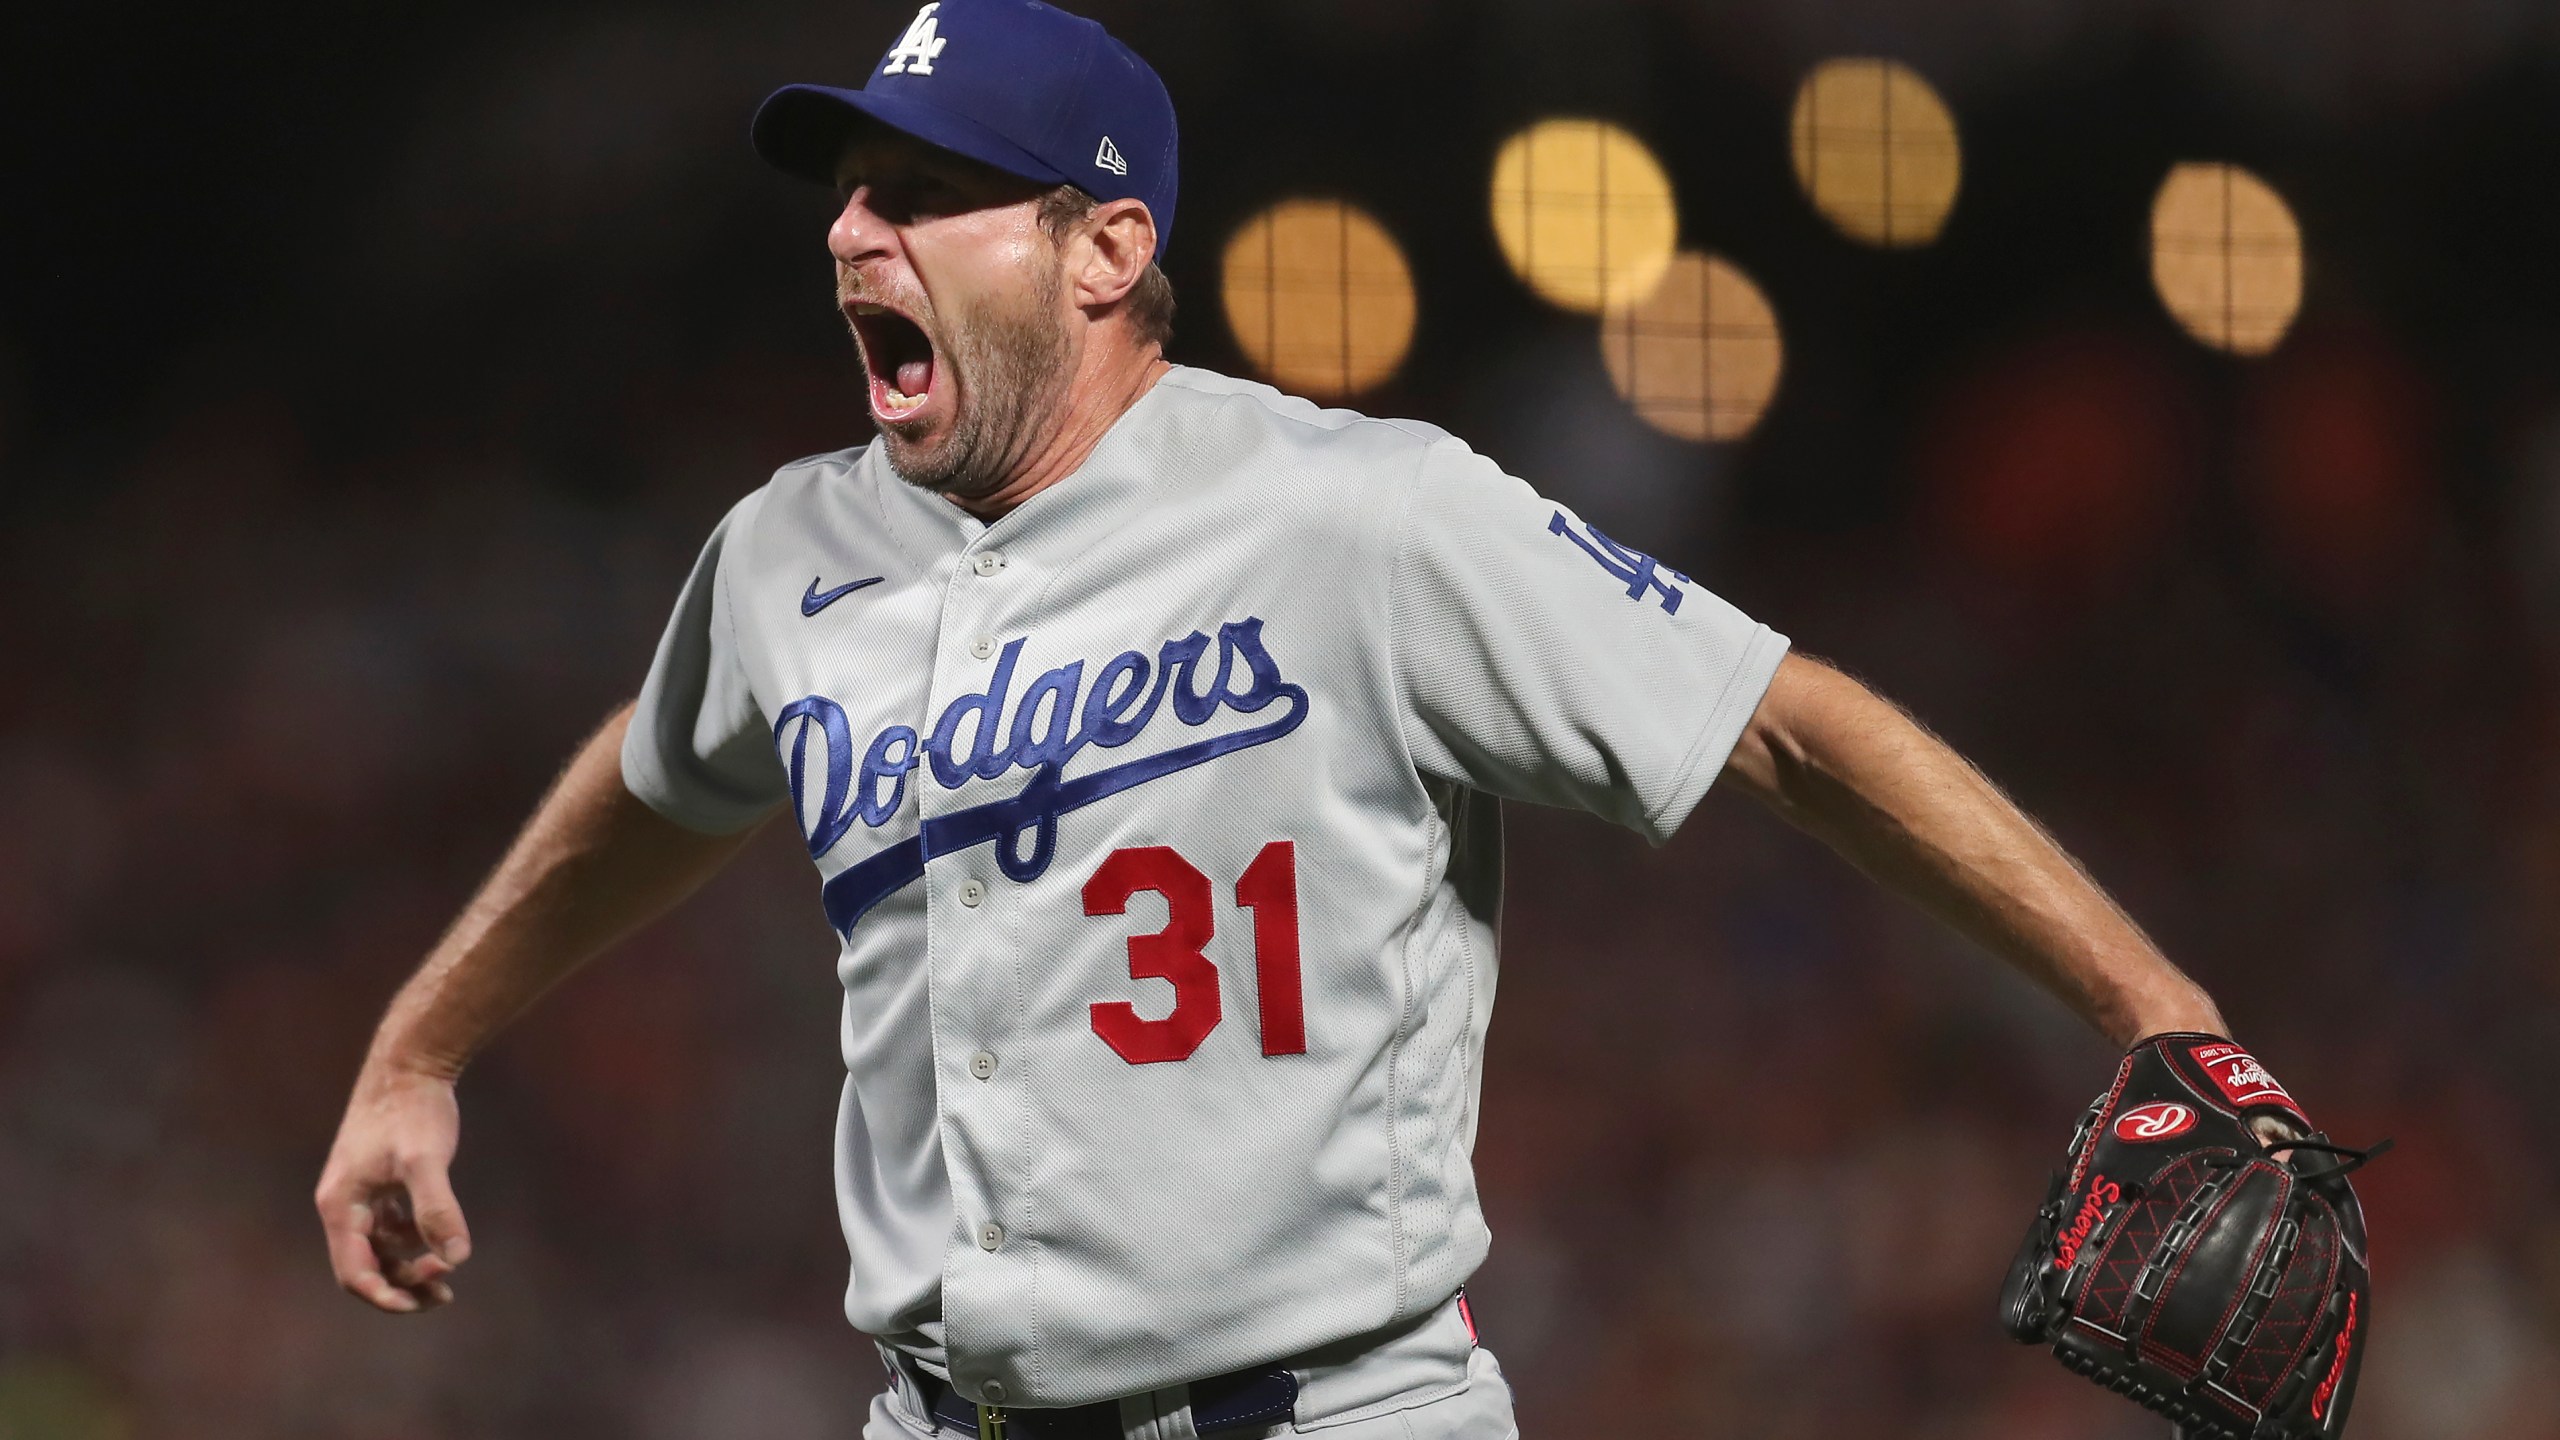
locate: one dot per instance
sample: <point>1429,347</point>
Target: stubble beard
<point>1007,371</point>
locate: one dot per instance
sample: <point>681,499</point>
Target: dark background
<point>368,380</point>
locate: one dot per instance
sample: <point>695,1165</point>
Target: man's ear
<point>1121,238</point>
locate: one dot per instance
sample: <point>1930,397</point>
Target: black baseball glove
<point>2177,1262</point>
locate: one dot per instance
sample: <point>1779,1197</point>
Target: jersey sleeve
<point>699,750</point>
<point>1541,660</point>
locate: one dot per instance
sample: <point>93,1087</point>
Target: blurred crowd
<point>297,626</point>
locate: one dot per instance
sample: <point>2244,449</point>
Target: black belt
<point>1223,1402</point>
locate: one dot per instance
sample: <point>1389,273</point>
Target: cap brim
<point>801,130</point>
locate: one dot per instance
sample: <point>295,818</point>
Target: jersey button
<point>983,1064</point>
<point>993,1390</point>
<point>990,1235</point>
<point>987,563</point>
<point>971,892</point>
<point>982,647</point>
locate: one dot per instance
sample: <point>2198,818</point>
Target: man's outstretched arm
<point>1853,771</point>
<point>591,866</point>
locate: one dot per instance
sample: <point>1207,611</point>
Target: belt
<point>1224,1402</point>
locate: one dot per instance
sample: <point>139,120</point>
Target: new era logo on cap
<point>1015,84</point>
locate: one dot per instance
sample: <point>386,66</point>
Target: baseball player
<point>1146,728</point>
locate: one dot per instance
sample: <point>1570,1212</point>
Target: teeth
<point>870,309</point>
<point>898,400</point>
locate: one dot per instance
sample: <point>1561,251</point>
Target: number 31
<point>1268,887</point>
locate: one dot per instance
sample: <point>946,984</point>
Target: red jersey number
<point>1269,888</point>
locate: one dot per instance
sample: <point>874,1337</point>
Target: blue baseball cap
<point>1021,86</point>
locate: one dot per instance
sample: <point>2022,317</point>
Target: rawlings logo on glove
<point>2159,1120</point>
<point>2241,1079</point>
<point>2195,1273</point>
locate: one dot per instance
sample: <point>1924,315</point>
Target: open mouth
<point>900,358</point>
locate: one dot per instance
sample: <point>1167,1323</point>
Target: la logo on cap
<point>915,51</point>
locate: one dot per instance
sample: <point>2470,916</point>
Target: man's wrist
<point>393,1067</point>
<point>2191,1014</point>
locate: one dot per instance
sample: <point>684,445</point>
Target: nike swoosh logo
<point>813,602</point>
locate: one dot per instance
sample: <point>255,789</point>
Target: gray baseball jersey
<point>1152,818</point>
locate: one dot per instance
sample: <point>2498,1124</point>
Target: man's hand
<point>592,864</point>
<point>386,1197</point>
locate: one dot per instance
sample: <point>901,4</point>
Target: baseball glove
<point>2177,1262</point>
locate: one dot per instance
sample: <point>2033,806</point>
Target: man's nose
<point>859,232</point>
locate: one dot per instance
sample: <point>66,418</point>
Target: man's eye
<point>905,194</point>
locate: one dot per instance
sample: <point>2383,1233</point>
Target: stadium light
<point>1876,151</point>
<point>1583,213</point>
<point>1699,358</point>
<point>2226,256</point>
<point>1319,297</point>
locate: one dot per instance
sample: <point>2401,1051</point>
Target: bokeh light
<point>2338,466</point>
<point>1319,297</point>
<point>1876,151</point>
<point>2056,469</point>
<point>1699,357</point>
<point>2226,255</point>
<point>1584,214</point>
